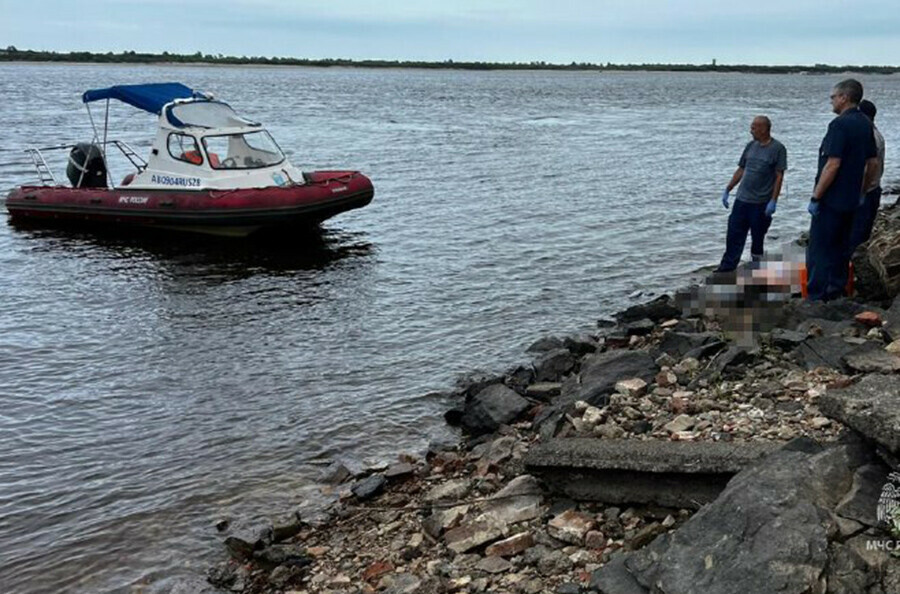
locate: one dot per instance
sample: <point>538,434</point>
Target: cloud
<point>765,31</point>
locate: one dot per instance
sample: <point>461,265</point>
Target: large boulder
<point>282,554</point>
<point>768,531</point>
<point>871,407</point>
<point>476,381</point>
<point>733,356</point>
<point>248,536</point>
<point>661,308</point>
<point>581,344</point>
<point>600,372</point>
<point>368,487</point>
<point>826,326</point>
<point>892,320</point>
<point>860,504</point>
<point>796,312</point>
<point>553,365</point>
<point>877,262</point>
<point>493,406</point>
<point>786,340</point>
<point>876,360</point>
<point>833,351</point>
<point>545,344</point>
<point>679,344</point>
<point>856,567</point>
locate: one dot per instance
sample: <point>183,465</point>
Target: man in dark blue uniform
<point>847,158</point>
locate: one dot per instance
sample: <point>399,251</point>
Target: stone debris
<point>570,526</point>
<point>628,461</point>
<point>368,487</point>
<point>512,546</point>
<point>634,388</point>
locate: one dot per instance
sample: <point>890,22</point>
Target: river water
<point>150,386</point>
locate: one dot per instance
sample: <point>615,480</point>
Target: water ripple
<point>149,386</point>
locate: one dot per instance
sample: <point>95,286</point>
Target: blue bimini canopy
<point>151,97</point>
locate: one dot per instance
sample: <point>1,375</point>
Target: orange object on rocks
<point>869,319</point>
<point>804,279</point>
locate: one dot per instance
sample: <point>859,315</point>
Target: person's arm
<point>735,179</point>
<point>780,168</point>
<point>776,190</point>
<point>871,174</point>
<point>829,172</point>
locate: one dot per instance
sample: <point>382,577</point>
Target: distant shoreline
<point>11,55</point>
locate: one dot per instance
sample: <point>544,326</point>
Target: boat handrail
<point>45,174</point>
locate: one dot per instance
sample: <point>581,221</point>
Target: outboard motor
<point>86,167</point>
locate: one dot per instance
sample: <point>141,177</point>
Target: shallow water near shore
<point>151,385</point>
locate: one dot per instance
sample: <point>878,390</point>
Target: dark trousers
<point>865,219</point>
<point>744,217</point>
<point>828,253</point>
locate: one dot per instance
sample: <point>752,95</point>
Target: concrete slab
<point>671,474</point>
<point>654,456</point>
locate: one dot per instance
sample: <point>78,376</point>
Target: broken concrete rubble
<point>618,470</point>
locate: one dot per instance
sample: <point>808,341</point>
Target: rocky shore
<point>662,453</point>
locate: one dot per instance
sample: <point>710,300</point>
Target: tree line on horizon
<point>12,54</point>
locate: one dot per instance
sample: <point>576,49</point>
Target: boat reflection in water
<point>206,258</point>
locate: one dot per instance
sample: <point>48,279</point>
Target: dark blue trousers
<point>744,217</point>
<point>865,219</point>
<point>828,253</point>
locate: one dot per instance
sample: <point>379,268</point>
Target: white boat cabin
<point>201,143</point>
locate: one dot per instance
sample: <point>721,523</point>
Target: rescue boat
<point>209,171</point>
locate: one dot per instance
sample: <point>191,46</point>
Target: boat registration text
<point>168,180</point>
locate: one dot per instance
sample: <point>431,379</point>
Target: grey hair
<point>850,88</point>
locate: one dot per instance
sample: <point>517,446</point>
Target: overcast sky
<point>633,31</point>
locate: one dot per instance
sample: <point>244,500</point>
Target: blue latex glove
<point>813,207</point>
<point>770,208</point>
<point>725,198</point>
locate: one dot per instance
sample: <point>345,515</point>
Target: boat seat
<point>213,159</point>
<point>192,157</point>
<point>127,179</point>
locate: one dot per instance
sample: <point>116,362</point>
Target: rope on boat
<point>342,179</point>
<point>319,182</point>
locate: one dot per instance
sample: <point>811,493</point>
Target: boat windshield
<point>244,150</point>
<point>206,114</point>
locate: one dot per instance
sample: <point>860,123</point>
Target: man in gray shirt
<point>760,173</point>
